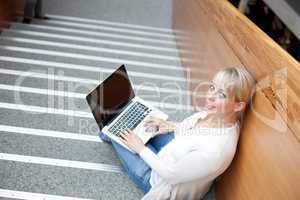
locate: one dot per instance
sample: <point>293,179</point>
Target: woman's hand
<point>131,140</point>
<point>162,125</point>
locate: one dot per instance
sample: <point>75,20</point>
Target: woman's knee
<point>132,162</point>
<point>140,168</point>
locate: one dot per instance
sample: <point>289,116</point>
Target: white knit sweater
<point>185,168</point>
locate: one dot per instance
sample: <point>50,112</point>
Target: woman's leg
<point>104,137</point>
<point>29,8</point>
<point>138,171</point>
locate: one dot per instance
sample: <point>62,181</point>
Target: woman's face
<point>221,102</point>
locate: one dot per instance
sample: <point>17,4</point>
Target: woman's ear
<point>239,106</point>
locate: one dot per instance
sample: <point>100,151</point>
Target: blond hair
<point>240,81</point>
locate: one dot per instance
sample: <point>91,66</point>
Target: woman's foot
<point>41,17</point>
<point>26,20</point>
<point>104,137</point>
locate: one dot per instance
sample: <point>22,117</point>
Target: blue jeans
<point>137,169</point>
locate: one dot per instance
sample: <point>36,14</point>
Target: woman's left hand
<point>131,140</point>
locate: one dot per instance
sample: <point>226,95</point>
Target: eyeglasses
<point>220,92</point>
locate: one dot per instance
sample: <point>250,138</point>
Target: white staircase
<point>49,144</point>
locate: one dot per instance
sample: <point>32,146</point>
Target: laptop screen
<point>109,98</point>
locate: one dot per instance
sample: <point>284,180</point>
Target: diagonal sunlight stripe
<point>85,81</point>
<point>13,194</point>
<point>90,40</point>
<point>89,48</point>
<point>109,28</point>
<point>60,162</point>
<point>50,92</point>
<point>50,133</point>
<point>94,58</point>
<point>96,21</point>
<point>172,43</point>
<point>91,68</point>
<point>45,110</point>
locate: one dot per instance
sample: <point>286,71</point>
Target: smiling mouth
<point>210,107</point>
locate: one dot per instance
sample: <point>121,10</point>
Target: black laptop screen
<point>107,100</point>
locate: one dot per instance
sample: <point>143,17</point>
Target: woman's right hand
<point>160,124</point>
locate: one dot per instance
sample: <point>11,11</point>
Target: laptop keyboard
<point>130,119</point>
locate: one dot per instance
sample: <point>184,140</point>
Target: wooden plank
<point>210,52</point>
<point>267,161</point>
<point>260,55</point>
<point>253,47</point>
<point>266,165</point>
<point>227,44</point>
<point>9,9</point>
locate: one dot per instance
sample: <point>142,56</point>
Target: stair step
<point>84,69</point>
<point>63,181</point>
<point>49,78</point>
<point>57,148</point>
<point>65,38</point>
<point>89,50</point>
<point>78,103</point>
<point>113,24</point>
<point>84,59</point>
<point>95,76</point>
<point>48,121</point>
<point>13,194</point>
<point>49,139</point>
<point>107,29</point>
<point>95,35</point>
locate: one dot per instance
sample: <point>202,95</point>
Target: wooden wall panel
<point>9,9</point>
<point>267,162</point>
<point>209,51</point>
<point>261,56</point>
<point>253,47</point>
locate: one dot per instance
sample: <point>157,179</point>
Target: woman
<point>182,160</point>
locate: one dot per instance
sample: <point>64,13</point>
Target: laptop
<point>115,107</point>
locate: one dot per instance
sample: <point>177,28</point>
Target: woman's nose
<point>210,96</point>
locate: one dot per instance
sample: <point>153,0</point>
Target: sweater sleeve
<point>186,124</point>
<point>194,165</point>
